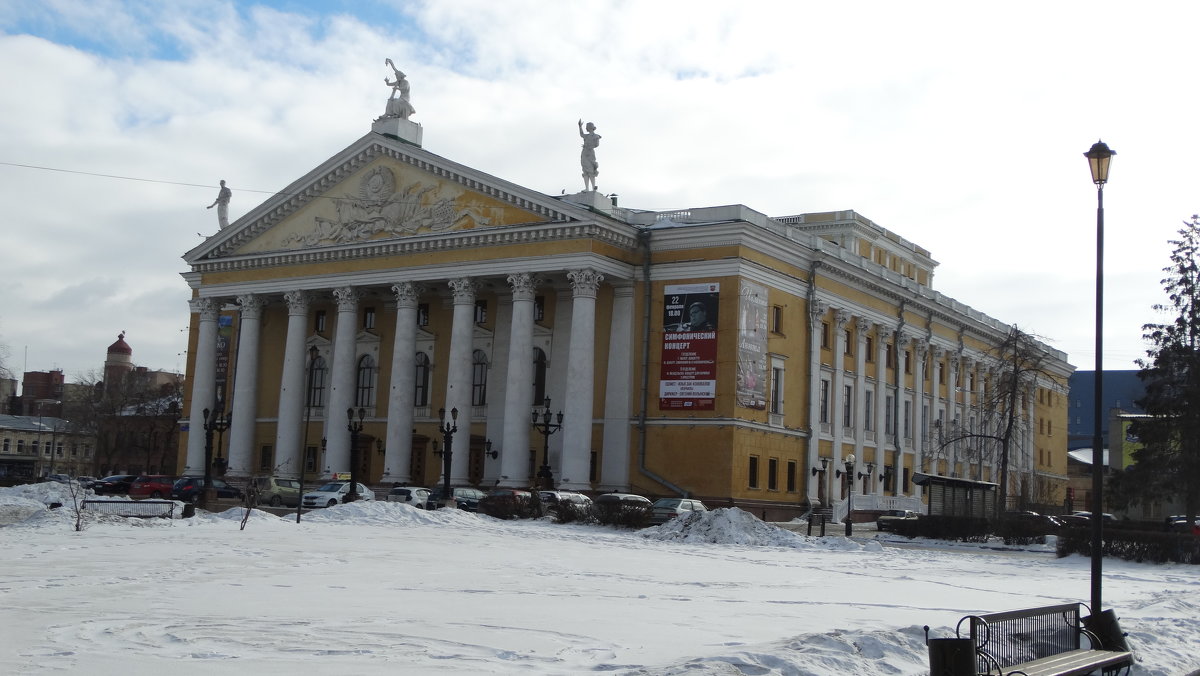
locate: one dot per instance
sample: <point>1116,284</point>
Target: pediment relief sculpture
<point>382,208</point>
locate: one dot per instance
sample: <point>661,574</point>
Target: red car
<point>151,486</point>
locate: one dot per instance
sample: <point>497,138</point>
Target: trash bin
<point>951,657</point>
<point>1106,627</point>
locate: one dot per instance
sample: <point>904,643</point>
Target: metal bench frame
<point>1043,641</point>
<point>164,509</point>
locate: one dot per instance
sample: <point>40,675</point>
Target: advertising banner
<point>688,378</point>
<point>752,346</point>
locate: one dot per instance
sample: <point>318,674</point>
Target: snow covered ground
<point>374,588</point>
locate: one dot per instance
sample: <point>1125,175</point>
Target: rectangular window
<point>825,335</point>
<point>791,476</point>
<point>319,322</point>
<point>849,338</point>
<point>539,308</point>
<point>941,373</point>
<point>7,442</point>
<point>266,459</point>
<point>772,474</point>
<point>925,422</point>
<point>869,410</point>
<point>906,477</point>
<point>889,419</point>
<point>908,361</point>
<point>310,459</point>
<point>369,318</point>
<point>753,472</point>
<point>824,401</point>
<point>481,312</point>
<point>890,356</point>
<point>908,420</point>
<point>423,314</point>
<point>776,319</point>
<point>870,348</point>
<point>777,390</point>
<point>848,406</point>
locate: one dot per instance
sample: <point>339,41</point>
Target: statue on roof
<point>587,157</point>
<point>222,205</point>
<point>398,105</point>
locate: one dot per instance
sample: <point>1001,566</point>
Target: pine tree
<point>1168,464</point>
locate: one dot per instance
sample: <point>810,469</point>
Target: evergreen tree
<point>1168,464</point>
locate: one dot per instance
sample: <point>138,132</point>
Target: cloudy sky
<point>960,126</point>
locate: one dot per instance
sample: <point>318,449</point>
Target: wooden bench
<point>1045,641</point>
<point>164,509</point>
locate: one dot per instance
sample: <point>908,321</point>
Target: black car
<point>189,489</point>
<point>466,499</point>
<point>117,484</point>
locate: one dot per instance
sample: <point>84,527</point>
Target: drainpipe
<point>644,240</point>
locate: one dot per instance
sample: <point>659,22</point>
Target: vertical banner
<point>688,378</point>
<point>752,346</point>
<point>224,339</point>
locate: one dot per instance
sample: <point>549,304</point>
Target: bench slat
<point>1073,663</point>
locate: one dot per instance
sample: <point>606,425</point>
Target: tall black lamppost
<point>313,353</point>
<point>541,423</point>
<point>447,428</point>
<point>354,426</point>
<point>849,474</point>
<point>213,422</point>
<point>1099,157</point>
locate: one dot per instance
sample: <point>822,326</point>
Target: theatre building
<point>714,352</point>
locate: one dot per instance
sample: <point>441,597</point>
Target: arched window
<point>365,394</point>
<point>316,385</point>
<point>539,376</point>
<point>422,380</point>
<point>479,367</point>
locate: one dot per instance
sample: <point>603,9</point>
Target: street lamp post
<point>1099,157</point>
<point>541,422</point>
<point>313,353</point>
<point>354,426</point>
<point>447,428</point>
<point>213,422</point>
<point>849,474</point>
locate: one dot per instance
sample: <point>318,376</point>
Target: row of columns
<point>572,378</point>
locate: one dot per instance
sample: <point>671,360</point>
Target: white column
<point>458,376</point>
<point>556,379</point>
<point>515,445</point>
<point>816,312</point>
<point>902,368</point>
<point>935,408</point>
<point>921,355</point>
<point>840,319</point>
<point>204,379</point>
<point>953,413</point>
<point>881,392</point>
<point>861,327</point>
<point>245,387</point>
<point>292,383</point>
<point>581,378</point>
<point>402,391</point>
<point>342,382</point>
<point>618,389</point>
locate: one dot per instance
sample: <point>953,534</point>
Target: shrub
<point>569,512</point>
<point>1131,545</point>
<point>623,514</point>
<point>509,506</point>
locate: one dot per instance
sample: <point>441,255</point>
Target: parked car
<point>553,500</point>
<point>622,509</point>
<point>59,478</point>
<point>334,492</point>
<point>154,486</point>
<point>892,519</point>
<point>666,509</point>
<point>465,498</point>
<point>1179,523</point>
<point>190,488</point>
<point>117,484</point>
<point>508,503</point>
<point>1042,522</point>
<point>277,491</point>
<point>414,496</point>
<point>86,481</point>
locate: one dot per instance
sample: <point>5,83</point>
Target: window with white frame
<point>824,415</point>
<point>479,369</point>
<point>365,392</point>
<point>777,389</point>
<point>421,397</point>
<point>869,410</point>
<point>848,406</point>
<point>889,418</point>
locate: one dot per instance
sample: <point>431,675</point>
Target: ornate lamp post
<point>313,353</point>
<point>354,426</point>
<point>1099,157</point>
<point>541,423</point>
<point>213,422</point>
<point>447,428</point>
<point>849,474</point>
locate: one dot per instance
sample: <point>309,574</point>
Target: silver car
<point>414,496</point>
<point>665,509</point>
<point>334,492</point>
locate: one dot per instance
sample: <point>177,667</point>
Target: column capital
<point>251,305</point>
<point>205,307</point>
<point>862,326</point>
<point>903,340</point>
<point>463,289</point>
<point>407,293</point>
<point>346,298</point>
<point>841,318</point>
<point>297,302</point>
<point>524,285</point>
<point>920,348</point>
<point>585,282</point>
<point>817,308</point>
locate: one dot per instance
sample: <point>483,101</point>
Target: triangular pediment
<point>380,190</point>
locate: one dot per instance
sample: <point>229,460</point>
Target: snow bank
<point>733,526</point>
